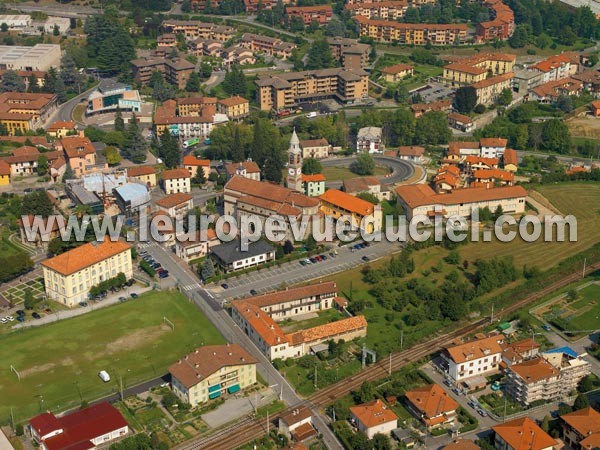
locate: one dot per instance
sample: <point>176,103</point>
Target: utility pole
<point>390,368</point>
<point>316,377</point>
<point>505,404</point>
<point>121,384</point>
<point>267,422</point>
<point>492,318</point>
<point>401,339</point>
<point>12,419</point>
<point>583,273</point>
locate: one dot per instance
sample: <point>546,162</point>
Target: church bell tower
<point>294,176</point>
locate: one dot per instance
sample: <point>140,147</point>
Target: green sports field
<point>59,363</point>
<point>587,316</point>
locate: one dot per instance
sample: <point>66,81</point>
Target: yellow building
<point>364,214</point>
<point>142,174</point>
<point>212,371</point>
<point>4,173</point>
<point>397,72</point>
<point>20,112</point>
<point>284,90</point>
<point>489,90</point>
<point>474,69</point>
<point>234,107</point>
<point>62,129</point>
<point>69,276</point>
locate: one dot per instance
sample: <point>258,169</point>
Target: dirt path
<point>542,204</point>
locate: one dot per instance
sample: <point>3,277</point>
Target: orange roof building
<point>374,417</point>
<point>258,317</point>
<point>462,444</point>
<point>338,204</point>
<point>581,429</point>
<point>478,357</point>
<point>522,434</point>
<point>212,371</point>
<point>432,405</point>
<point>69,276</point>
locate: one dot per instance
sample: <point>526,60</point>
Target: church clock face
<point>291,171</point>
<point>298,170</point>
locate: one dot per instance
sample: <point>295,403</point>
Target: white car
<point>10,318</point>
<point>3,320</point>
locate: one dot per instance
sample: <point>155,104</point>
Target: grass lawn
<point>78,113</point>
<point>60,361</point>
<point>343,173</point>
<point>588,308</point>
<point>329,315</point>
<point>7,249</point>
<point>547,254</point>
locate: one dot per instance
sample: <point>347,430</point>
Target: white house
<point>369,140</point>
<point>176,205</point>
<point>176,180</point>
<point>297,424</point>
<point>474,358</point>
<point>230,257</point>
<point>196,248</point>
<point>374,417</point>
<point>492,147</point>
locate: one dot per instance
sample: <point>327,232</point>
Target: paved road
<point>59,10</point>
<point>65,111</point>
<point>401,170</point>
<point>183,276</point>
<point>270,279</point>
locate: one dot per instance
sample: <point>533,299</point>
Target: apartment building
<point>22,161</point>
<point>175,205</point>
<point>176,180</point>
<point>237,54</point>
<point>432,405</point>
<point>192,164</point>
<point>510,160</point>
<point>423,200</point>
<point>461,122</point>
<point>550,91</point>
<point>40,57</point>
<point>412,33</point>
<point>397,72</point>
<point>196,247</point>
<point>313,185</point>
<point>548,377</point>
<point>363,214</point>
<point>69,276</point>
<point>145,175</point>
<point>502,25</point>
<point>349,52</point>
<point>192,29</point>
<point>235,108</point>
<point>309,14</point>
<point>177,72</point>
<point>267,45</point>
<point>285,90</point>
<point>374,417</point>
<point>195,106</point>
<point>212,371</point>
<point>369,139</point>
<point>315,148</point>
<point>188,119</point>
<point>21,112</point>
<point>384,10</point>
<point>489,89</point>
<point>522,434</point>
<point>258,317</point>
<point>556,67</point>
<point>581,429</point>
<point>467,71</point>
<point>80,154</point>
<point>479,357</point>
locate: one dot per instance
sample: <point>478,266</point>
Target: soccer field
<point>59,363</point>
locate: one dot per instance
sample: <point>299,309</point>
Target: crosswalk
<point>191,287</point>
<point>143,245</point>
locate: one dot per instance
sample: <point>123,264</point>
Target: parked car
<point>3,320</point>
<point>134,295</point>
<point>546,327</point>
<point>332,254</point>
<point>164,274</point>
<point>313,260</point>
<point>84,304</point>
<point>122,299</point>
<point>130,282</point>
<point>224,285</point>
<point>302,262</point>
<point>366,258</point>
<point>20,312</point>
<point>21,319</point>
<point>10,318</point>
<point>324,257</point>
<point>156,265</point>
<point>253,292</point>
<point>319,258</point>
<point>36,316</point>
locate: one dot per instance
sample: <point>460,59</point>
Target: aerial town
<point>299,225</point>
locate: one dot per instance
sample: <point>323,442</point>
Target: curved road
<point>401,170</point>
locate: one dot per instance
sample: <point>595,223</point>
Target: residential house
<point>69,276</point>
<point>462,444</point>
<point>315,148</point>
<point>82,429</point>
<point>246,169</point>
<point>176,205</point>
<point>145,175</point>
<point>492,147</point>
<point>196,247</point>
<point>413,153</point>
<point>192,164</point>
<point>230,258</point>
<point>556,67</point>
<point>5,173</point>
<point>493,177</point>
<point>80,154</point>
<point>363,214</point>
<point>551,90</point>
<point>374,417</point>
<point>520,351</point>
<point>581,429</point>
<point>461,122</point>
<point>432,405</point>
<point>212,371</point>
<point>309,14</point>
<point>480,357</point>
<point>188,117</point>
<point>369,139</point>
<point>237,54</point>
<point>297,424</point>
<point>522,434</point>
<point>489,89</point>
<point>510,161</point>
<point>61,129</point>
<point>176,180</point>
<point>472,163</point>
<point>313,185</point>
<point>418,109</point>
<point>447,179</point>
<point>23,161</point>
<point>371,185</point>
<point>234,107</point>
<point>397,72</point>
<point>193,29</point>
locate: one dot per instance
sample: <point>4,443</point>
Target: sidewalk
<point>80,310</point>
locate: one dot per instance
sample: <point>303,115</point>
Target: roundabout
<point>400,170</point>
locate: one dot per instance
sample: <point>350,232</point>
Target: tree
<point>200,177</point>
<point>110,43</point>
<point>586,384</point>
<point>363,165</point>
<point>29,300</point>
<point>42,165</point>
<point>69,73</point>
<point>519,38</point>
<point>543,41</point>
<point>136,146</point>
<point>193,82</point>
<point>545,424</point>
<point>207,269</point>
<point>581,401</point>
<point>465,99</point>
<point>572,294</point>
<point>319,55</point>
<point>311,166</point>
<point>235,82</point>
<point>205,70</point>
<point>11,82</point>
<point>334,28</point>
<point>32,83</point>
<point>288,247</point>
<point>432,129</point>
<point>267,150</point>
<point>69,174</point>
<point>505,97</point>
<point>381,442</point>
<point>37,203</point>
<point>112,155</point>
<point>564,103</point>
<point>556,136</point>
<point>119,122</point>
<point>60,90</point>
<point>368,197</point>
<point>4,27</point>
<point>169,150</point>
<point>56,30</point>
<point>365,393</point>
<point>453,257</point>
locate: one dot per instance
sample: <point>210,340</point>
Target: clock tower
<point>294,176</point>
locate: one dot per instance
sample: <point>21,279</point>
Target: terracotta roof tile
<point>233,101</point>
<point>77,146</point>
<point>524,434</point>
<point>490,162</point>
<point>84,256</point>
<point>309,143</point>
<point>297,293</point>
<point>348,202</point>
<point>431,401</point>
<point>462,444</point>
<point>4,168</point>
<point>534,370</point>
<point>173,200</point>
<point>68,125</point>
<point>191,160</point>
<point>360,184</point>
<point>373,413</point>
<point>396,68</point>
<point>269,191</point>
<point>250,166</point>
<point>174,174</point>
<point>495,174</point>
<point>138,171</point>
<point>411,150</point>
<point>313,178</point>
<point>261,322</point>
<point>475,349</point>
<point>207,360</point>
<point>328,330</point>
<point>296,415</point>
<point>493,80</point>
<point>585,421</point>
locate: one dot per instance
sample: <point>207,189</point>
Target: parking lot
<point>161,272</point>
<point>433,91</point>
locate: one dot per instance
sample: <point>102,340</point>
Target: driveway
<point>236,407</point>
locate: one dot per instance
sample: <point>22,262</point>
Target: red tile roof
<point>493,80</point>
<point>490,162</point>
<point>68,125</point>
<point>173,200</point>
<point>462,444</point>
<point>174,174</point>
<point>77,146</point>
<point>411,150</point>
<point>397,68</point>
<point>510,157</point>
<point>493,142</point>
<point>373,413</point>
<point>348,202</point>
<point>524,434</point>
<point>4,168</point>
<point>585,421</point>
<point>250,166</point>
<point>328,331</point>
<point>269,191</point>
<point>475,349</point>
<point>313,178</point>
<point>431,401</point>
<point>233,101</point>
<point>534,370</point>
<point>420,195</point>
<point>207,360</point>
<point>298,293</point>
<point>495,174</point>
<point>138,171</point>
<point>191,160</point>
<point>552,63</point>
<point>361,184</point>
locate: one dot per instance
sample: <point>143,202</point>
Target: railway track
<point>253,428</point>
